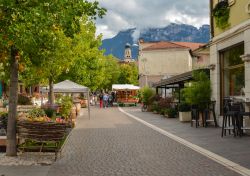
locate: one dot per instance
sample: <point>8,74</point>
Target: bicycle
<point>144,107</point>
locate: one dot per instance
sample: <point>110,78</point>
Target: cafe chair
<point>230,120</point>
<point>208,111</point>
<point>241,116</point>
<point>194,116</point>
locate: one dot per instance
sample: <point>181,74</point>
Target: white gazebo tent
<point>68,86</point>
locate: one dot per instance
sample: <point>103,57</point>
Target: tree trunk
<point>51,92</point>
<point>11,149</point>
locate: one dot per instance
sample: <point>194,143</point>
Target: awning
<point>124,87</point>
<point>179,79</point>
<point>174,80</point>
<point>67,86</point>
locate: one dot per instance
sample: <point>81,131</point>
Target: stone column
<point>246,60</point>
<point>215,77</point>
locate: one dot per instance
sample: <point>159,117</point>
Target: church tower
<point>127,53</point>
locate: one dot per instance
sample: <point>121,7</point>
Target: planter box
<point>3,140</point>
<point>185,116</point>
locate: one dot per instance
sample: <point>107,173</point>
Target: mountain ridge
<point>172,32</point>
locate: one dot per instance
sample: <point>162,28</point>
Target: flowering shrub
<point>37,112</point>
<point>165,102</point>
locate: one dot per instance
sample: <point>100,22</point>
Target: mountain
<point>172,32</point>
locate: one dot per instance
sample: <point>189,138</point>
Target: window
<point>233,71</point>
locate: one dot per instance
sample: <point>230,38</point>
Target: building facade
<point>230,52</point>
<point>201,58</point>
<point>158,60</point>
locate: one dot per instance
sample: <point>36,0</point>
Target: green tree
<point>27,28</point>
<point>111,72</point>
<point>199,92</point>
<point>128,74</point>
<point>88,66</point>
<point>146,93</point>
<point>59,58</point>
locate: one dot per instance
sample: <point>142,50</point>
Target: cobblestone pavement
<point>112,144</point>
<point>233,148</point>
<point>24,170</point>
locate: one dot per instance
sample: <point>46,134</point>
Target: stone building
<point>230,52</point>
<point>158,60</point>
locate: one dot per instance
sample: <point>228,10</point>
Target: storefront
<point>229,53</point>
<point>232,71</point>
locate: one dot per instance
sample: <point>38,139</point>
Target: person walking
<point>105,100</point>
<point>95,99</point>
<point>110,100</point>
<point>101,100</point>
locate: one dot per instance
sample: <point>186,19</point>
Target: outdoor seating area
<point>204,114</point>
<point>234,117</point>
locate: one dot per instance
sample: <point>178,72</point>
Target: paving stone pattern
<point>233,148</point>
<point>112,144</point>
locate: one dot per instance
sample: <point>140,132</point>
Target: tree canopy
<point>128,74</point>
<point>88,63</point>
<point>28,37</point>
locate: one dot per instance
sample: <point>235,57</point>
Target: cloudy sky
<point>124,14</point>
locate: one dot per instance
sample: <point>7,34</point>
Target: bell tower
<point>127,53</point>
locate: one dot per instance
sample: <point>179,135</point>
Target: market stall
<point>126,93</point>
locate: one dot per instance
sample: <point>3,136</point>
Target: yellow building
<point>230,50</point>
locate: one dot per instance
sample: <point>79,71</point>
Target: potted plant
<point>184,112</point>
<point>163,111</point>
<point>198,94</point>
<point>146,95</point>
<point>155,107</point>
<point>170,112</point>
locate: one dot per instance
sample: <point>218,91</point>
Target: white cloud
<point>124,14</point>
<point>105,31</point>
<point>174,16</point>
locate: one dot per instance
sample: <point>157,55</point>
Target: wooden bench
<point>42,136</point>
